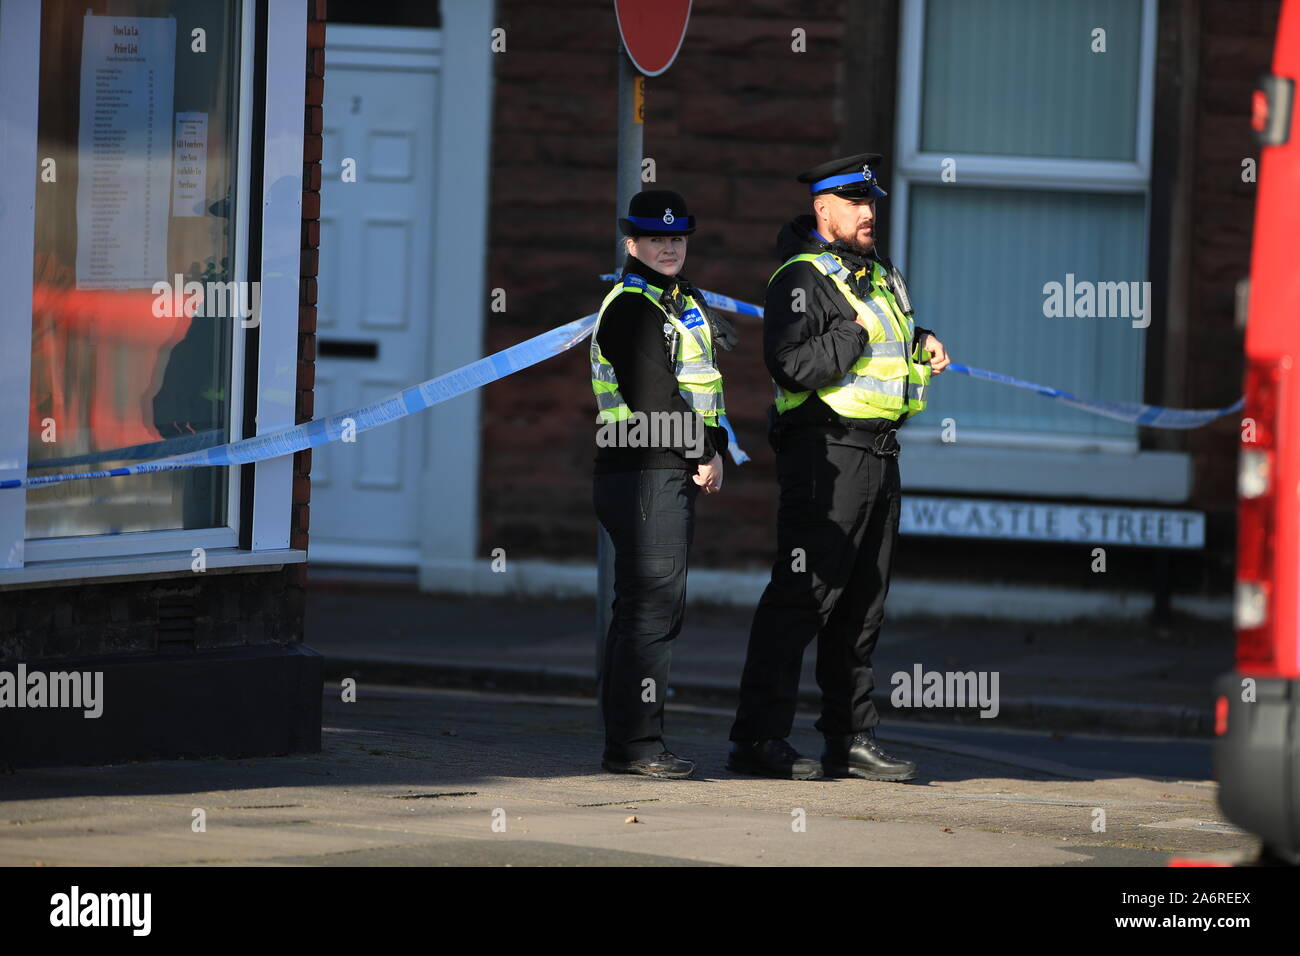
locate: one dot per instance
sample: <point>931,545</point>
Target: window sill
<point>1164,476</point>
<point>169,564</point>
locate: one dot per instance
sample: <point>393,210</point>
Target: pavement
<point>411,776</point>
<point>473,740</point>
<point>1118,679</point>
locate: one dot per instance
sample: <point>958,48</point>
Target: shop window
<point>139,184</point>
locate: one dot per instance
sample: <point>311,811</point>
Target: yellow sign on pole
<point>638,100</point>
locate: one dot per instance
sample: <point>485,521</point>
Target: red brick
<point>311,205</point>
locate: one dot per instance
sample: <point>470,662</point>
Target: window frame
<point>279,216</point>
<point>1130,177</point>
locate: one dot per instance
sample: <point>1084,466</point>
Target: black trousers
<point>650,517</point>
<point>837,528</point>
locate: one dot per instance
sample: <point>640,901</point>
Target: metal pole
<point>630,144</point>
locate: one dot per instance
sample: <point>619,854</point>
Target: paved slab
<point>409,777</point>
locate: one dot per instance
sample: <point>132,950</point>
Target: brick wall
<point>311,172</point>
<point>729,126</point>
<point>1236,46</point>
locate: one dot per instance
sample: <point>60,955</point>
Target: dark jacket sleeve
<point>813,347</point>
<point>631,338</point>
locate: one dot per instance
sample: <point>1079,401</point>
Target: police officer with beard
<point>849,367</point>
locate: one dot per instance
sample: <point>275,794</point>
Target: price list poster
<point>128,75</point>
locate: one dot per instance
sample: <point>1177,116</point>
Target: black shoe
<point>772,758</point>
<point>860,755</point>
<point>666,765</point>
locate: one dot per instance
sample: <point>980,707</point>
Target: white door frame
<point>410,57</point>
<point>448,509</point>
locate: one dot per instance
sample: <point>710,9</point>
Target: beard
<point>851,240</point>
<point>864,248</point>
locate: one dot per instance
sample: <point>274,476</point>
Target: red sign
<point>652,31</point>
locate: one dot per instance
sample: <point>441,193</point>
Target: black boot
<point>771,758</point>
<point>666,765</point>
<point>860,755</point>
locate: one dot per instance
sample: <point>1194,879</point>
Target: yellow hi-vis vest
<point>888,380</point>
<point>698,378</point>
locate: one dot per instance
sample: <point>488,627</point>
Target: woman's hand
<point>709,476</point>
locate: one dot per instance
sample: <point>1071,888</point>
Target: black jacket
<point>631,337</point>
<point>810,349</point>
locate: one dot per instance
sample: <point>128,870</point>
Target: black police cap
<point>657,212</point>
<point>850,176</point>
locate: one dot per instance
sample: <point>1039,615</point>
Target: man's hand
<point>938,354</point>
<point>709,476</point>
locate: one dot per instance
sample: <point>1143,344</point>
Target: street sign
<point>652,31</point>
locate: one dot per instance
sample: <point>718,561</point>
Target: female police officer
<point>659,397</point>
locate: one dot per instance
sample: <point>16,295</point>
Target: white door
<point>374,287</point>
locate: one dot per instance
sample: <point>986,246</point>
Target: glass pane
<point>136,143</point>
<point>1020,78</point>
<point>978,261</point>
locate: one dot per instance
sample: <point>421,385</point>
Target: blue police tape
<point>148,451</point>
<point>286,441</point>
<point>416,398</point>
<point>1133,413</point>
<point>726,303</point>
<point>733,446</point>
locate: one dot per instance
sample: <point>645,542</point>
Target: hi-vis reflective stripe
<point>891,334</point>
<point>894,349</point>
<point>703,402</point>
<point>836,271</point>
<point>896,387</point>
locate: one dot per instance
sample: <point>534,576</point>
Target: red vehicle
<point>1257,750</point>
